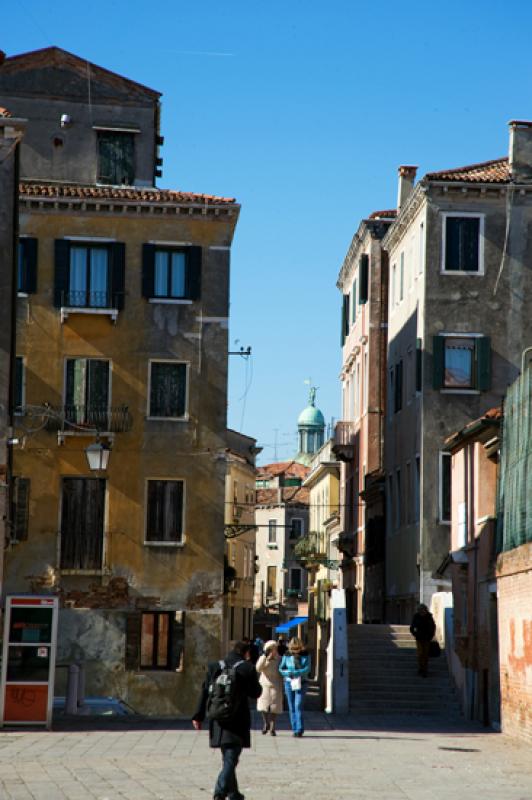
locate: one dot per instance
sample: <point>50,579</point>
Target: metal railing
<point>112,419</point>
<point>86,299</point>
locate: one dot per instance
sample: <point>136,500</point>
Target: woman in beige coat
<point>270,703</point>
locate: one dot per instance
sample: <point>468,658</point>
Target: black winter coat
<point>423,627</point>
<point>235,731</point>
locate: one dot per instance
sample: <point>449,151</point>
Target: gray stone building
<point>460,305</point>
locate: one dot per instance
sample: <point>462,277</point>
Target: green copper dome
<point>311,416</point>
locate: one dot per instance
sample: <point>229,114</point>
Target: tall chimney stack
<point>520,160</point>
<point>407,176</point>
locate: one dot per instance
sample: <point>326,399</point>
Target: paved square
<point>339,757</point>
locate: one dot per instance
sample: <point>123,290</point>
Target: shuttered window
<point>165,511</point>
<point>168,389</point>
<point>19,399</point>
<point>171,273</point>
<point>462,244</point>
<point>398,387</point>
<point>89,276</point>
<point>116,158</point>
<point>462,362</point>
<point>363,279</point>
<point>87,392</point>
<point>82,523</point>
<point>20,508</point>
<point>27,265</point>
<point>155,641</point>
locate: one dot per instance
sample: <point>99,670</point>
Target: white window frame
<point>172,479</point>
<point>459,335</point>
<point>471,214</point>
<point>185,417</point>
<point>441,455</point>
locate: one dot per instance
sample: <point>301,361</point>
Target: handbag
<point>434,649</point>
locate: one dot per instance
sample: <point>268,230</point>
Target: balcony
<point>87,419</point>
<point>309,550</point>
<point>344,440</point>
<point>87,302</point>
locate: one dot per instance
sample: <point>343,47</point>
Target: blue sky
<point>303,111</point>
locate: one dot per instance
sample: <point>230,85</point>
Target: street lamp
<point>98,456</point>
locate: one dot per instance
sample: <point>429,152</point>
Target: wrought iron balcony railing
<point>86,299</point>
<point>111,419</point>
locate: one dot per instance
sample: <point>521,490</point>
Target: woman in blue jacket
<point>295,667</point>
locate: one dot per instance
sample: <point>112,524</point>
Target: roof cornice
<point>406,215</point>
<point>373,227</point>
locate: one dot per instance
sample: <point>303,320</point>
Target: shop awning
<point>292,623</point>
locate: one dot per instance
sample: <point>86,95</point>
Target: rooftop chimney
<point>407,176</point>
<point>520,160</point>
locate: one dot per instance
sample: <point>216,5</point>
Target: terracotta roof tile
<point>389,213</point>
<point>496,171</point>
<point>289,494</point>
<point>291,469</point>
<point>4,112</point>
<point>133,193</point>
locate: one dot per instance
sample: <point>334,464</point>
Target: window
<point>417,486</point>
<point>419,365</point>
<point>20,498</point>
<point>171,274</point>
<point>445,487</point>
<point>398,387</point>
<point>421,247</point>
<point>155,640</point>
<point>272,531</point>
<point>168,390</point>
<point>87,392</point>
<point>390,505</point>
<point>365,379</point>
<point>462,362</point>
<point>296,528</point>
<point>89,275</point>
<point>27,265</point>
<point>82,523</point>
<point>354,302</point>
<point>295,579</point>
<point>363,279</point>
<point>165,511</point>
<point>462,243</point>
<point>345,318</point>
<point>271,581</point>
<point>398,500</point>
<point>116,158</point>
<point>402,277</point>
<point>19,398</point>
<point>408,492</point>
<point>394,279</point>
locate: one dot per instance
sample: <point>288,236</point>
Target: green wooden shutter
<point>61,273</point>
<point>483,357</point>
<point>133,631</point>
<point>419,365</point>
<point>148,270</point>
<point>193,279</point>
<point>20,506</point>
<point>343,323</point>
<point>438,358</point>
<point>177,640</point>
<point>118,274</point>
<point>30,265</point>
<point>363,279</point>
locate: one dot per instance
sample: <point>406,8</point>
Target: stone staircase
<point>383,675</point>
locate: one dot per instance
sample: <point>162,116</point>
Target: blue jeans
<point>295,705</point>
<point>226,785</point>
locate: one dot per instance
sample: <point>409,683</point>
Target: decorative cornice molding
<point>376,228</point>
<point>406,215</point>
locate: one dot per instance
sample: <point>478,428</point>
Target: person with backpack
<point>224,702</point>
<point>295,668</point>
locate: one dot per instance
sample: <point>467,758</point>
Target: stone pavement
<point>339,758</point>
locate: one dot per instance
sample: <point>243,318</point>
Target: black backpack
<point>222,700</point>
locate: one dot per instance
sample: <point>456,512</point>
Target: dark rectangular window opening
<point>168,389</point>
<point>116,158</point>
<point>82,523</point>
<point>171,279</point>
<point>18,400</point>
<point>398,387</point>
<point>296,528</point>
<point>88,279</point>
<point>445,487</point>
<point>87,392</point>
<point>20,499</point>
<point>27,265</point>
<point>272,531</point>
<point>165,511</point>
<point>462,239</point>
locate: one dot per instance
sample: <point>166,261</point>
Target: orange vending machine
<point>28,661</point>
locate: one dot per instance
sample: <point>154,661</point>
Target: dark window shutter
<point>398,399</point>
<point>61,274</point>
<point>118,274</point>
<point>30,264</point>
<point>419,365</point>
<point>194,273</point>
<point>344,322</point>
<point>19,383</point>
<point>438,358</point>
<point>483,363</point>
<point>20,516</point>
<point>148,270</point>
<point>177,640</point>
<point>363,279</point>
<point>133,621</point>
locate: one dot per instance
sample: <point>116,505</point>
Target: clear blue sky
<point>301,110</point>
